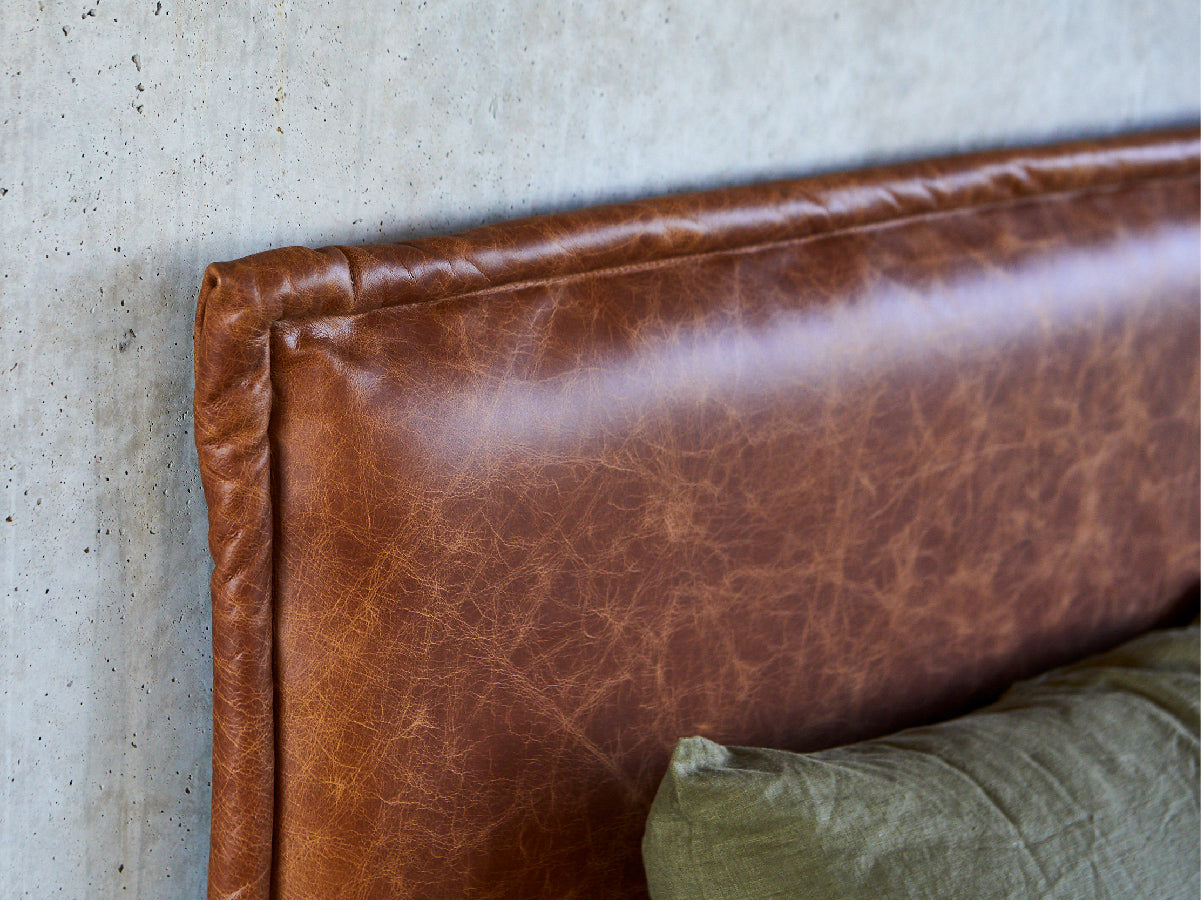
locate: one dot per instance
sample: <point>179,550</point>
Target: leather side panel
<point>238,303</point>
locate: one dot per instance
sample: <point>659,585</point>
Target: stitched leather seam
<point>861,227</point>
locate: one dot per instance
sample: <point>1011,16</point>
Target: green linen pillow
<point>1080,783</point>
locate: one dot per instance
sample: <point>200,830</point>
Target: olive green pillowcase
<point>1080,783</point>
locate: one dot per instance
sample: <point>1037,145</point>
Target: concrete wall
<point>141,139</point>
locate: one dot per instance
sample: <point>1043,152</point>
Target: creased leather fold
<point>240,303</point>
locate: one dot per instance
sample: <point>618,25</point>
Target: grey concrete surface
<point>141,139</point>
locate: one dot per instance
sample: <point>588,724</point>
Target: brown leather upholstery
<point>498,517</point>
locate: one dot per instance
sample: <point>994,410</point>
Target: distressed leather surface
<point>496,518</point>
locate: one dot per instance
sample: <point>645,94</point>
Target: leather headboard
<point>497,518</point>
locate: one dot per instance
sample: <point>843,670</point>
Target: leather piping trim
<point>241,300</point>
<point>643,266</point>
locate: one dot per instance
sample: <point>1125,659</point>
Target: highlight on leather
<point>496,518</point>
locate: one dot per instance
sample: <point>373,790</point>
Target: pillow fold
<point>1080,783</point>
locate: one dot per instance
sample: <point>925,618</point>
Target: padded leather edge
<point>238,303</point>
<point>573,243</point>
<point>241,300</point>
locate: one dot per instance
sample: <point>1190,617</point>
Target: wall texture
<point>141,139</point>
